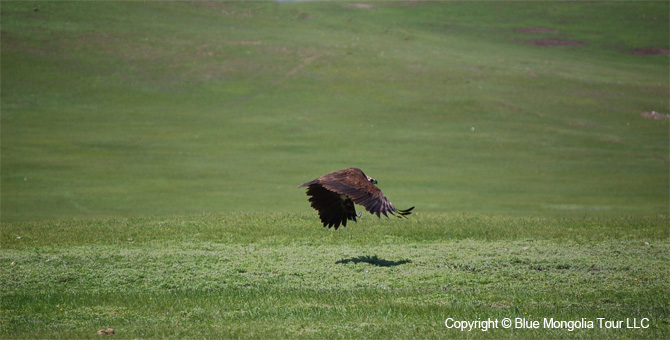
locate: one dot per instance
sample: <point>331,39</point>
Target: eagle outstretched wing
<point>333,195</point>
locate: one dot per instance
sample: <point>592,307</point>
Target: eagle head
<point>371,180</point>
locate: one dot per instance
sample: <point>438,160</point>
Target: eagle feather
<point>333,195</point>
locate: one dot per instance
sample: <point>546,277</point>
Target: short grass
<point>121,108</point>
<point>261,275</point>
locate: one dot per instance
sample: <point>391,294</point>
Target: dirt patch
<point>247,43</point>
<point>361,6</point>
<point>556,42</point>
<point>535,30</point>
<point>108,331</point>
<point>649,51</point>
<point>305,61</point>
<point>654,115</point>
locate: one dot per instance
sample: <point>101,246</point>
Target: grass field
<point>146,109</point>
<point>151,153</point>
<point>278,275</point>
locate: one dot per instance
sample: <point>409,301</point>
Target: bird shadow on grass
<point>373,260</point>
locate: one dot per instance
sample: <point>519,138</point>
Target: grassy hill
<point>151,153</point>
<point>145,109</point>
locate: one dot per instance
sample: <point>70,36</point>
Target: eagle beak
<point>373,181</point>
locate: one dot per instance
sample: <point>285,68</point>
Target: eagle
<point>333,195</point>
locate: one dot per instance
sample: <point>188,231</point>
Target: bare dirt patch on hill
<point>650,51</point>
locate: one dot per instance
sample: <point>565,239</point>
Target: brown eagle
<point>333,195</point>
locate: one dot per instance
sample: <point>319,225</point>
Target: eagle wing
<point>334,209</point>
<point>354,184</point>
<point>333,195</point>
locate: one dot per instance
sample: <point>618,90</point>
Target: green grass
<point>151,153</point>
<point>146,109</point>
<point>259,275</point>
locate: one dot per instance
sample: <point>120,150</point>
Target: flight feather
<point>333,195</point>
